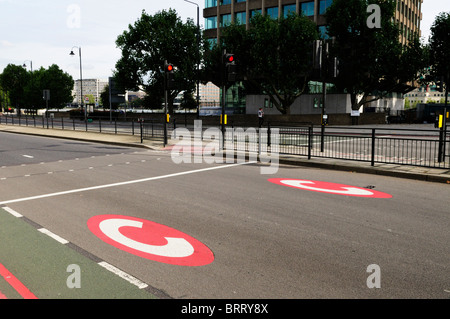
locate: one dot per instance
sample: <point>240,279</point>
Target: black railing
<point>427,148</point>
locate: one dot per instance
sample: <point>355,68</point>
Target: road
<point>267,239</point>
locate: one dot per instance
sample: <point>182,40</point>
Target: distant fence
<point>427,148</point>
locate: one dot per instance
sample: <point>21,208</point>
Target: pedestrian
<point>261,116</point>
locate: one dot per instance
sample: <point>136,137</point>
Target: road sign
<point>150,240</point>
<point>330,188</point>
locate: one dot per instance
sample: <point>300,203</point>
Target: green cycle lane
<point>51,270</point>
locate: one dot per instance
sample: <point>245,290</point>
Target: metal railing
<point>374,145</point>
<point>427,148</point>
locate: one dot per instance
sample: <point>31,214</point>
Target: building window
<point>223,2</point>
<point>308,8</point>
<point>211,23</point>
<point>272,12</point>
<point>240,1</point>
<point>210,3</point>
<point>241,18</point>
<point>254,12</point>
<point>323,5</point>
<point>225,20</point>
<point>288,9</point>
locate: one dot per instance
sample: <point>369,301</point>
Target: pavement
<point>439,175</point>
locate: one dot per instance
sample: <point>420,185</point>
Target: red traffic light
<point>169,68</point>
<point>229,58</point>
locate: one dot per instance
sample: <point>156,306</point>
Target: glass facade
<point>323,5</point>
<point>241,17</point>
<point>210,3</point>
<point>288,9</point>
<point>211,23</point>
<point>272,12</point>
<point>308,8</point>
<point>225,19</point>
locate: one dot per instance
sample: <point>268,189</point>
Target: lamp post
<point>198,63</point>
<point>81,81</point>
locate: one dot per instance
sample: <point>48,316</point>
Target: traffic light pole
<point>324,70</point>
<point>443,128</point>
<point>165,105</point>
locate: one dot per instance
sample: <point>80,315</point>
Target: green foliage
<point>373,62</point>
<point>13,80</point>
<point>273,56</point>
<point>148,43</point>
<point>25,87</point>
<point>440,46</point>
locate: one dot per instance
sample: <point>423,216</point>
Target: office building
<point>92,88</point>
<point>220,13</point>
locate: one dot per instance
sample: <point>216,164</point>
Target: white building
<point>209,94</point>
<point>423,94</point>
<point>91,88</point>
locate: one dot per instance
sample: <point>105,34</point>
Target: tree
<point>104,97</point>
<point>373,62</point>
<point>4,99</point>
<point>440,47</point>
<point>57,81</point>
<point>148,43</point>
<point>13,80</point>
<point>273,56</point>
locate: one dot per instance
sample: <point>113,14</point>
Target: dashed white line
<point>79,190</point>
<point>121,274</point>
<point>28,156</point>
<point>12,212</point>
<point>54,236</point>
<point>138,283</point>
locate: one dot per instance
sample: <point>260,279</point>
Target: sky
<point>45,31</point>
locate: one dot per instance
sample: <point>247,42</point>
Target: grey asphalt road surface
<point>268,240</point>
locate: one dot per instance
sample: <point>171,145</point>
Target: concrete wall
<point>335,104</point>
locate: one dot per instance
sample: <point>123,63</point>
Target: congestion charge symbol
<point>150,240</point>
<point>330,188</point>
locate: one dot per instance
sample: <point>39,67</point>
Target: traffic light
<point>231,67</point>
<point>336,63</point>
<point>317,54</point>
<point>169,72</point>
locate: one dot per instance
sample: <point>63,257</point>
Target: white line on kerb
<point>54,236</point>
<point>124,275</point>
<point>12,212</point>
<point>86,189</point>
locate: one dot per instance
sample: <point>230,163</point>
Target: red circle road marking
<point>150,240</point>
<point>330,188</point>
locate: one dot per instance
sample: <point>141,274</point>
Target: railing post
<point>310,134</point>
<point>372,163</point>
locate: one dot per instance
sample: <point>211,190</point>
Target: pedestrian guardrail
<point>427,148</point>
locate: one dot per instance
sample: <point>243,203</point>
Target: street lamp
<point>81,81</point>
<point>198,63</point>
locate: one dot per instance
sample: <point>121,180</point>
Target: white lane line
<point>28,156</point>
<point>120,273</point>
<point>86,189</point>
<point>12,212</point>
<point>54,236</point>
